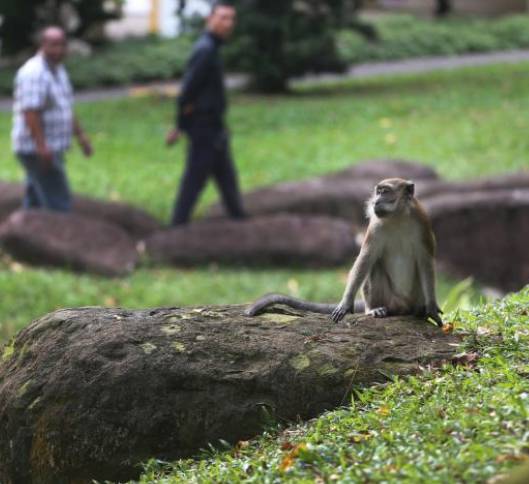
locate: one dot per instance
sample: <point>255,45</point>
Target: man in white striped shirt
<point>44,122</point>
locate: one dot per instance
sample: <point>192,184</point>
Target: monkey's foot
<point>379,312</point>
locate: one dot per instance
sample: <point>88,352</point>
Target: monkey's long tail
<point>262,304</point>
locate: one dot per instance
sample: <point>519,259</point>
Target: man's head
<point>222,19</point>
<point>53,44</point>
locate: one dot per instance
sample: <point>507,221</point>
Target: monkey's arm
<point>365,260</point>
<point>427,274</point>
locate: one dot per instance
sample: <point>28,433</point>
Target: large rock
<point>72,241</point>
<point>484,235</point>
<point>135,221</point>
<point>376,170</point>
<point>10,199</point>
<point>341,194</point>
<point>278,239</point>
<point>90,393</point>
<point>509,181</point>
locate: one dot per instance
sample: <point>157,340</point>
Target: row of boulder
<point>482,227</point>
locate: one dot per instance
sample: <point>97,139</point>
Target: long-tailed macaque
<point>395,268</point>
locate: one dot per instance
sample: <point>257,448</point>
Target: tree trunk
<point>444,7</point>
<point>91,393</point>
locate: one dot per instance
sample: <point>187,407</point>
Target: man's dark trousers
<point>208,155</point>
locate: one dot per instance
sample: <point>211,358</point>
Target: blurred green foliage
<point>399,37</point>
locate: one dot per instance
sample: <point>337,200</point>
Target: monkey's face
<point>392,196</point>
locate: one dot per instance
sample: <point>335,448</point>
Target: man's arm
<point>82,138</point>
<point>194,78</point>
<point>33,121</point>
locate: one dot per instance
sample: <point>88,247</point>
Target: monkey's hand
<point>433,312</point>
<point>339,313</point>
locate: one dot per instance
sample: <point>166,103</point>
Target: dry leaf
<point>512,458</point>
<point>286,463</point>
<point>287,445</point>
<point>110,301</point>
<point>384,411</point>
<point>466,359</point>
<point>448,328</point>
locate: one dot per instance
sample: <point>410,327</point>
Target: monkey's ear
<point>410,188</point>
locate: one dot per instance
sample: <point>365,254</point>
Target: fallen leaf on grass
<point>287,445</point>
<point>110,301</point>
<point>241,445</point>
<point>384,411</point>
<point>465,359</point>
<point>512,458</point>
<point>360,437</point>
<point>286,463</point>
<point>448,328</point>
<point>290,459</point>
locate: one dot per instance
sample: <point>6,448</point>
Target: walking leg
<point>226,179</point>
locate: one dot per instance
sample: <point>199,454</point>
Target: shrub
<point>399,37</point>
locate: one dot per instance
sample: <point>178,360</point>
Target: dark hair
<point>221,3</point>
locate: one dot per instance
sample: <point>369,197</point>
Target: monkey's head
<point>392,196</point>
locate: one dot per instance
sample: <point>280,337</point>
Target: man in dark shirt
<point>201,109</point>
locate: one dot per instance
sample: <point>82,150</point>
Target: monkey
<point>395,268</point>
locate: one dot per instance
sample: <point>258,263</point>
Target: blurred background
<point>316,86</point>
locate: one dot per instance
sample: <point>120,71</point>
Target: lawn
<point>464,123</point>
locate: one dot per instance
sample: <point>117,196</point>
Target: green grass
<point>464,423</point>
<point>464,123</point>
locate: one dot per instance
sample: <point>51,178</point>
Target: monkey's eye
<point>382,190</point>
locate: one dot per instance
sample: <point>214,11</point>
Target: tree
<point>279,39</point>
<point>23,18</point>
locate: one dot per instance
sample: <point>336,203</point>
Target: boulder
<point>10,199</point>
<point>135,221</point>
<point>344,198</point>
<point>91,393</point>
<point>276,239</point>
<point>376,170</point>
<point>80,243</point>
<point>341,194</point>
<point>509,181</point>
<point>484,234</point>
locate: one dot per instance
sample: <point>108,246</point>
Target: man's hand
<point>172,137</point>
<point>86,145</point>
<point>45,156</point>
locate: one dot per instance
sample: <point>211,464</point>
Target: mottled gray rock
<point>135,221</point>
<point>484,234</point>
<point>275,239</point>
<point>79,243</point>
<point>91,393</point>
